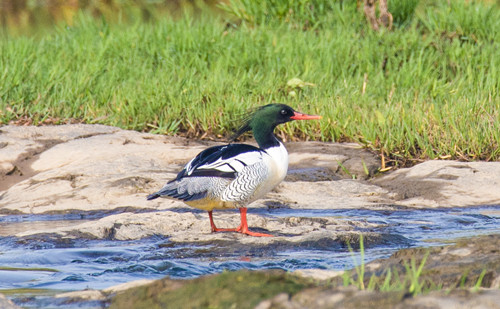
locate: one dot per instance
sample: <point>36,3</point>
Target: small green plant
<point>359,266</point>
<point>478,283</point>
<point>463,278</point>
<point>353,176</point>
<point>365,168</point>
<point>392,280</point>
<point>413,275</point>
<point>409,281</point>
<point>388,284</point>
<point>479,280</point>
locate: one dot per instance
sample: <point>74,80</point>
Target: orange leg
<point>216,229</point>
<point>243,228</point>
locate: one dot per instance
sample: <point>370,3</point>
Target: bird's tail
<point>167,190</point>
<point>181,190</point>
<point>153,196</point>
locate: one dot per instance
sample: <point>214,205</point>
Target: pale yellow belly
<point>210,204</point>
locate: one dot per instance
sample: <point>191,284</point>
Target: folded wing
<point>220,172</point>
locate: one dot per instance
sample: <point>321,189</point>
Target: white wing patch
<point>232,164</point>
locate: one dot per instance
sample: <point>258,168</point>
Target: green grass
<point>427,89</point>
<point>413,278</point>
<point>410,281</point>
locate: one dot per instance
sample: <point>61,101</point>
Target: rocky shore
<point>83,169</point>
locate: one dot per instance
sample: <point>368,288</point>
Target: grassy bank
<point>427,89</point>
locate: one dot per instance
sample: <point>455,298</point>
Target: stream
<point>33,269</point>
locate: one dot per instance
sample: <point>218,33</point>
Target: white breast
<point>277,161</point>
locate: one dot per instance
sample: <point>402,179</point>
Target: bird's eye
<point>284,112</point>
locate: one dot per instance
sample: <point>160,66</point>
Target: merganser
<point>234,175</point>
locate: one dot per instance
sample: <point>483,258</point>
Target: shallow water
<point>77,264</point>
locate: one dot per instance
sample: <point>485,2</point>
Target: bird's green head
<point>263,120</point>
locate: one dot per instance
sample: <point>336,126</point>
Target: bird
<point>234,175</point>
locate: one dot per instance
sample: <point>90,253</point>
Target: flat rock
<point>444,184</point>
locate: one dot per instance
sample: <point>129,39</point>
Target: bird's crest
<point>245,125</point>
